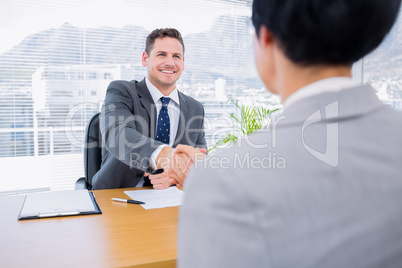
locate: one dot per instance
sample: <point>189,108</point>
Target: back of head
<point>162,33</point>
<point>326,31</point>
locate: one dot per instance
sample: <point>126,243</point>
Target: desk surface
<point>124,235</point>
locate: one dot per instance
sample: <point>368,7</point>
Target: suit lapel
<point>148,104</point>
<point>183,119</point>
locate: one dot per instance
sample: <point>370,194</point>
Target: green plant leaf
<point>246,121</point>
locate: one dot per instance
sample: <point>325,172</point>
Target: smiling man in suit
<point>142,121</point>
<point>322,186</point>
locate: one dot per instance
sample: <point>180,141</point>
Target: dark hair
<point>162,33</point>
<point>326,31</point>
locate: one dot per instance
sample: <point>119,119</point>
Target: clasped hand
<point>176,163</point>
<point>183,156</point>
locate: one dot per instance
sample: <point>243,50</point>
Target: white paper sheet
<point>169,197</point>
<point>57,203</point>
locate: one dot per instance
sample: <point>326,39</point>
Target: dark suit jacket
<point>128,122</point>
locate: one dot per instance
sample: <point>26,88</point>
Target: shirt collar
<point>325,85</point>
<point>156,94</point>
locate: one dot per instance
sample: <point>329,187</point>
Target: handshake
<point>175,162</point>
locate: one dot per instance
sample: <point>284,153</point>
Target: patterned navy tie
<point>162,129</point>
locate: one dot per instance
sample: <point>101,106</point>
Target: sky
<point>19,18</point>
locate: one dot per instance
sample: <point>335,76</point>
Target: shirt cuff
<point>154,155</point>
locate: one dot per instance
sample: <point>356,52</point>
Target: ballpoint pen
<point>158,171</point>
<point>128,201</point>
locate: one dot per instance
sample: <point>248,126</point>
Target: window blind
<point>58,58</point>
<point>383,67</point>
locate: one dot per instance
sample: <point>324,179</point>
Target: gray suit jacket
<point>128,122</point>
<point>321,188</point>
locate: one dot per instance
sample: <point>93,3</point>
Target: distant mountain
<point>69,45</point>
<point>225,51</point>
<point>386,60</point>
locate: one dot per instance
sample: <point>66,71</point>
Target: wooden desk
<point>125,235</point>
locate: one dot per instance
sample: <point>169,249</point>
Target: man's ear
<point>144,59</point>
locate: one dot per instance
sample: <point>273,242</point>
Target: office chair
<point>92,153</point>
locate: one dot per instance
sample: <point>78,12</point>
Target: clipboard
<point>59,204</point>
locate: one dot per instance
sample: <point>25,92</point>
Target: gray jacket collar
<point>346,103</point>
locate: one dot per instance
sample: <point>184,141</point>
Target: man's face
<point>165,63</point>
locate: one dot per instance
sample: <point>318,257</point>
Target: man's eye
<point>161,54</point>
<point>177,56</point>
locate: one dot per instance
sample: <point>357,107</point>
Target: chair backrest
<point>92,150</point>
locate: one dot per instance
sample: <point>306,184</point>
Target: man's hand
<point>159,181</point>
<point>163,159</point>
<point>194,154</point>
<point>180,162</point>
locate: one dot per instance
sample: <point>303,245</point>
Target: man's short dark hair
<point>162,33</point>
<point>326,31</point>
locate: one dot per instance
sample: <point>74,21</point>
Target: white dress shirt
<point>174,116</point>
<point>325,85</point>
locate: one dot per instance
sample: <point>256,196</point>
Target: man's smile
<point>168,71</point>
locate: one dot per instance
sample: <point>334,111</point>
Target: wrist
<point>163,158</point>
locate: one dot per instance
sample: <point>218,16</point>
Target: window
<point>58,57</point>
<point>383,68</point>
<point>107,76</point>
